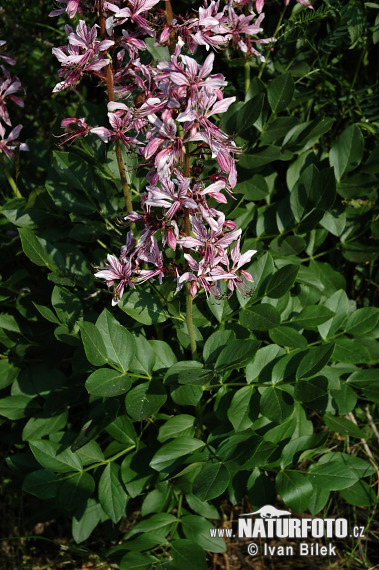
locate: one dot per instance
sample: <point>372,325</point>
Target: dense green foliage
<point>103,415</point>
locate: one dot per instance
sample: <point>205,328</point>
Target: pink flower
<point>121,119</point>
<point>72,6</point>
<point>117,271</point>
<point>81,129</point>
<point>82,55</point>
<point>9,144</point>
<point>7,59</point>
<point>167,197</point>
<point>8,87</point>
<point>133,12</point>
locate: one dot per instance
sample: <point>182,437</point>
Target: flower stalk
<point>110,90</point>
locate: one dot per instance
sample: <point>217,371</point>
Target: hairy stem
<point>169,18</point>
<point>191,330</point>
<point>189,299</point>
<point>10,179</point>
<point>247,75</point>
<point>110,89</point>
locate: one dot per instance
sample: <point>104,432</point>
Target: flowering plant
<point>143,420</point>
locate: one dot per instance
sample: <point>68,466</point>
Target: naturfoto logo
<point>270,522</point>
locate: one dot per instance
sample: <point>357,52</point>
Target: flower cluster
<point>9,86</point>
<point>165,114</point>
<point>259,4</point>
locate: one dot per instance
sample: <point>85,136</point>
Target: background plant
<point>102,405</point>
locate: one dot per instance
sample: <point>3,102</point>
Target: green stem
<point>191,330</point>
<point>247,75</point>
<point>187,230</point>
<point>101,463</point>
<point>274,36</point>
<point>11,180</point>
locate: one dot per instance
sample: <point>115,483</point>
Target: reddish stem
<point>110,90</point>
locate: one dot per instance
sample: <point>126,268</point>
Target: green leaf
<point>145,399</point>
<point>202,508</point>
<point>339,304</point>
<point>343,426</point>
<point>187,395</point>
<point>262,359</point>
<point>260,317</point>
<point>350,350</point>
<point>39,425</point>
<point>144,359</point>
<point>347,152</point>
<point>288,245</point>
<point>211,481</point>
<point>143,307</point>
<point>314,360</point>
<point>119,343</point>
<point>277,129</point>
<point>236,354</point>
<point>89,453</point>
<point>365,379</point>
<point>122,430</point>
<point>188,554</point>
<point>167,456</point>
<point>137,560</point>
<point>355,464</point>
<point>160,522</point>
<point>275,404</point>
<point>295,489</point>
<point>40,251</point>
<point>281,281</point>
<point>261,270</point>
<point>159,52</point>
<point>83,523</point>
<point>41,483</point>
<point>336,471</point>
<point>271,153</point>
<point>186,372</point>
<point>312,316</point>
<point>360,495</point>
<point>136,472</point>
<point>76,490</point>
<point>255,188</point>
<point>215,344</point>
<point>107,383</point>
<point>164,355</point>
<point>243,409</point>
<point>112,495</point>
<point>94,346</point>
<point>334,222</point>
<point>67,306</point>
<point>318,499</point>
<point>249,113</point>
<point>292,451</point>
<point>47,313</point>
<point>51,456</point>
<point>17,407</point>
<point>345,398</point>
<point>362,321</point>
<point>280,92</point>
<point>197,529</point>
<point>181,425</point>
<point>309,390</point>
<point>287,336</point>
<point>8,373</point>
